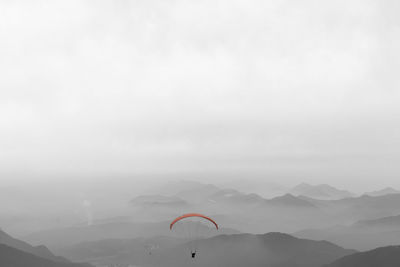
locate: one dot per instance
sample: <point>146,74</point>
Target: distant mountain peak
<point>380,222</point>
<point>235,197</point>
<point>290,200</point>
<point>382,192</point>
<point>40,250</point>
<point>10,256</point>
<point>321,191</point>
<point>383,256</point>
<point>278,235</point>
<point>235,250</point>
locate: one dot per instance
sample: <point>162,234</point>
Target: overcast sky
<point>296,90</point>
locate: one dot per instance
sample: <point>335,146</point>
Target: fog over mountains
<point>361,235</point>
<point>382,192</point>
<point>223,250</point>
<point>212,133</point>
<point>386,256</point>
<point>11,257</point>
<point>39,251</point>
<point>322,225</point>
<point>322,191</point>
<point>17,253</point>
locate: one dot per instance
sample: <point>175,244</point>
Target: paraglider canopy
<point>191,229</point>
<point>188,215</point>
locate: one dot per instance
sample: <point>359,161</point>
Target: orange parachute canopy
<point>192,215</point>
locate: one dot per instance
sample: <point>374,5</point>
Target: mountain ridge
<point>320,191</point>
<point>12,257</point>
<point>388,256</point>
<point>252,250</point>
<point>40,250</point>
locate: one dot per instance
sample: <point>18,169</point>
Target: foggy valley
<point>309,225</point>
<point>213,133</point>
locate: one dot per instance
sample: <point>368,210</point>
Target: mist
<point>278,120</point>
<point>306,91</point>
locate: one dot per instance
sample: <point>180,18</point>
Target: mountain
<point>350,210</point>
<point>385,223</point>
<point>40,251</point>
<point>238,198</point>
<point>112,251</point>
<point>382,192</point>
<point>286,213</point>
<point>362,235</point>
<point>290,200</point>
<point>322,191</point>
<point>63,237</point>
<point>235,198</point>
<point>232,209</point>
<point>380,257</point>
<point>253,214</point>
<point>12,257</point>
<point>307,206</point>
<point>272,249</point>
<point>262,187</point>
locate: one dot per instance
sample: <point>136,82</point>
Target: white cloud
<point>103,86</point>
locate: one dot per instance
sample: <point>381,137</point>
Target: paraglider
<point>190,230</point>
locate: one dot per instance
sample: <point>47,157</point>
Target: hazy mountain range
<point>322,191</point>
<point>272,249</point>
<point>16,253</point>
<point>148,215</point>
<point>382,192</point>
<point>58,238</point>
<point>380,257</point>
<point>362,235</point>
<point>137,231</point>
<point>11,257</point>
<point>40,251</point>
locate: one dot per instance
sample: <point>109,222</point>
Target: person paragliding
<point>190,232</point>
